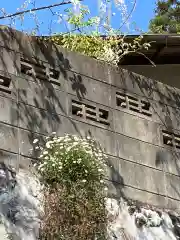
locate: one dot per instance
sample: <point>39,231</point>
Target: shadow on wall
<point>116,180</point>
<point>169,117</point>
<point>6,58</point>
<point>41,107</point>
<point>78,86</point>
<point>166,95</point>
<point>34,96</point>
<point>39,102</point>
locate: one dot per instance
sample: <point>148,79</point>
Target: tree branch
<point>36,9</point>
<point>129,15</point>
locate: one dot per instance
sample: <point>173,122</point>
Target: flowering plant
<point>71,158</point>
<point>86,33</point>
<point>73,169</point>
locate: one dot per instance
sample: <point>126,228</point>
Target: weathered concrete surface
<point>20,199</point>
<point>144,167</point>
<point>3,232</point>
<point>131,221</point>
<point>159,73</point>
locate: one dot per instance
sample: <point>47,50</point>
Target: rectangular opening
<point>54,74</point>
<point>133,104</point>
<point>171,139</point>
<point>40,71</point>
<point>145,108</point>
<point>177,141</point>
<point>76,108</point>
<point>54,77</point>
<point>90,112</point>
<point>103,116</point>
<point>120,100</point>
<point>33,69</point>
<point>167,138</point>
<point>26,67</point>
<point>5,84</point>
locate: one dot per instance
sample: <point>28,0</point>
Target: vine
<point>86,37</point>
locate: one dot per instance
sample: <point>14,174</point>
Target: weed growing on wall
<point>73,169</point>
<point>77,29</point>
<point>86,36</point>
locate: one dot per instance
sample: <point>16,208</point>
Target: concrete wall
<point>168,74</point>
<point>128,113</point>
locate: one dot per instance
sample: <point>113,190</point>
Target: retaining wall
<point>44,88</point>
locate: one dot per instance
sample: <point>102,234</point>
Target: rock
<point>137,222</point>
<point>19,208</point>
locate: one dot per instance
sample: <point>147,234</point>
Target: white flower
<point>46,158</point>
<point>68,148</point>
<point>101,154</point>
<point>48,144</point>
<point>105,189</point>
<point>45,152</point>
<point>101,181</point>
<point>89,152</point>
<point>39,167</point>
<point>76,138</point>
<point>36,147</point>
<point>74,162</point>
<point>74,144</point>
<point>84,180</point>
<point>60,138</point>
<point>35,141</point>
<point>100,170</point>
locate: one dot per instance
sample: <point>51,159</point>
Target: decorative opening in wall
<point>39,71</point>
<point>5,84</point>
<point>89,112</point>
<point>132,103</point>
<point>171,139</point>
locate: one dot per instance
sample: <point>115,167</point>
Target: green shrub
<point>73,171</point>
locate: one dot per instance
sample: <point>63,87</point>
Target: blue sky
<point>143,13</point>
